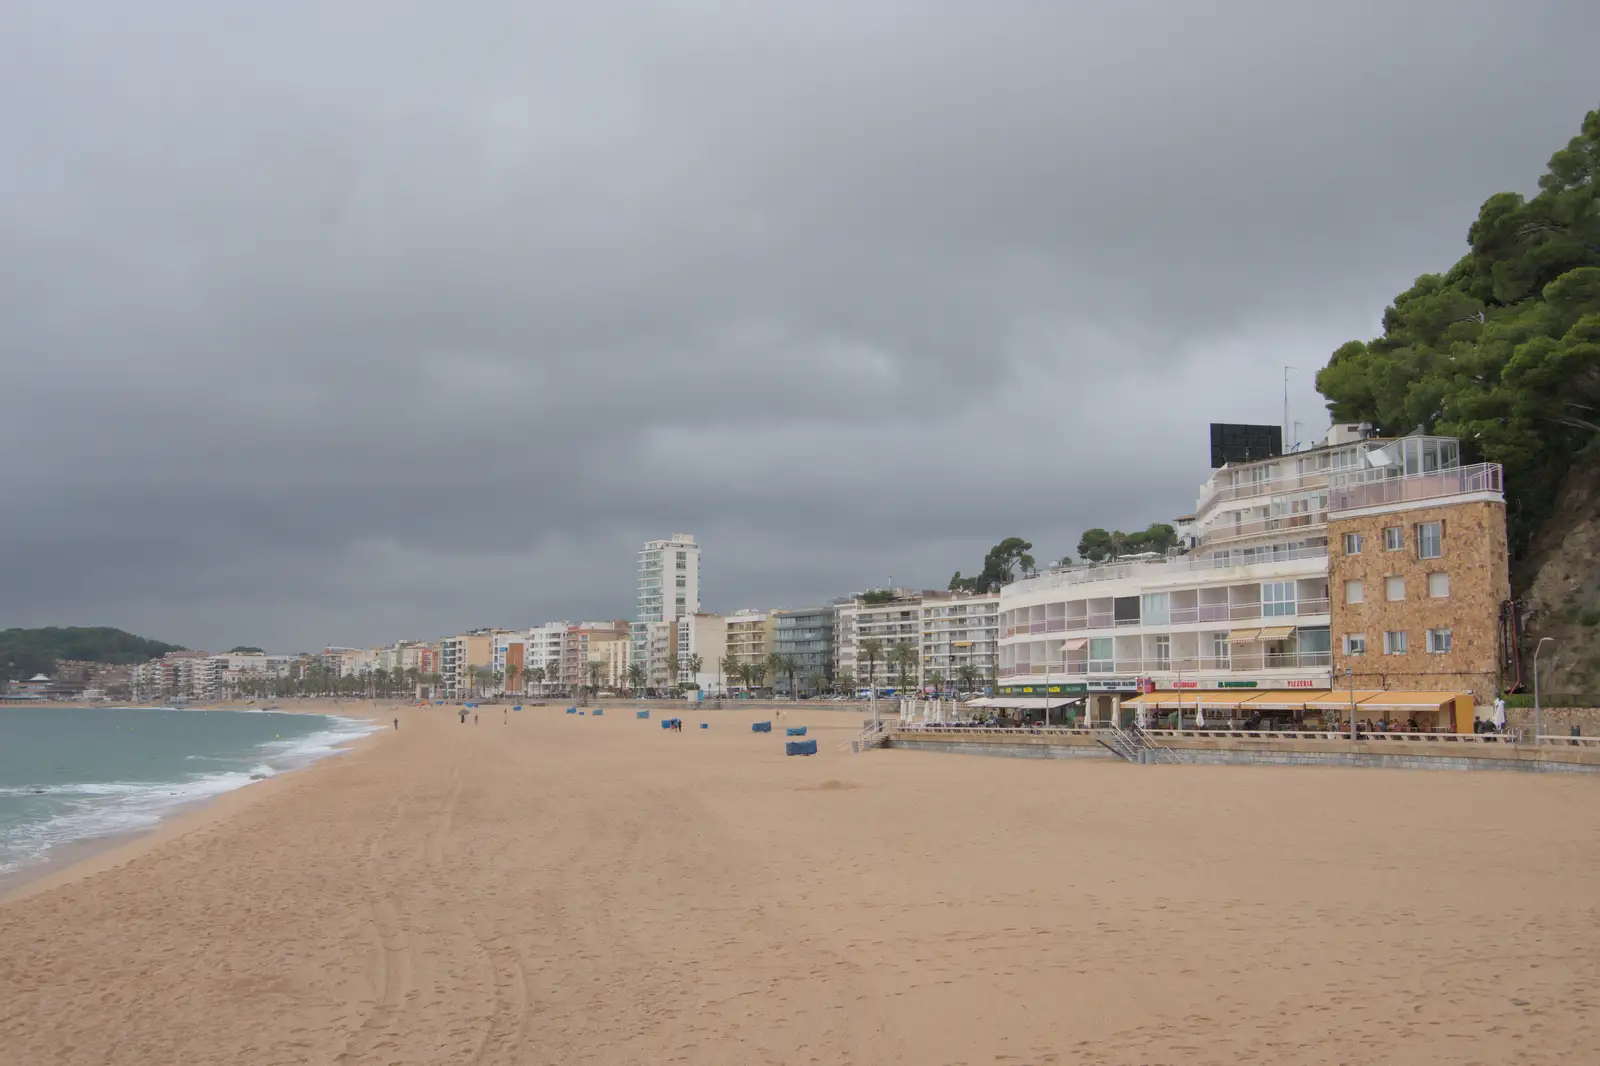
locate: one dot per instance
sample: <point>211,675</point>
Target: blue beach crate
<point>641,714</point>
<point>572,710</point>
<point>705,725</point>
<point>800,747</point>
<point>598,711</point>
<point>760,727</point>
<point>795,731</point>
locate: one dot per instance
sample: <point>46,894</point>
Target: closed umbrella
<point>1500,714</point>
<point>1199,715</point>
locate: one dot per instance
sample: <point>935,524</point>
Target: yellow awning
<point>1276,633</point>
<point>1409,701</point>
<point>1286,700</point>
<point>1244,636</point>
<point>1341,697</point>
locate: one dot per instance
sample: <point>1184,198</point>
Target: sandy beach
<point>543,888</point>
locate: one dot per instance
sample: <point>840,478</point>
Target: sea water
<point>71,774</point>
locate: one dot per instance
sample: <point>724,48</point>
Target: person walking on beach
<point>474,717</point>
<point>397,724</point>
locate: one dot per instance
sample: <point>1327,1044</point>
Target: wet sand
<point>543,888</point>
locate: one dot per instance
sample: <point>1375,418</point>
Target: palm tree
<point>967,675</point>
<point>871,652</point>
<point>773,665</point>
<point>636,676</point>
<point>722,675</point>
<point>672,672</point>
<point>845,682</point>
<point>498,677</point>
<point>758,674</point>
<point>788,665</point>
<point>693,664</point>
<point>817,682</point>
<point>936,679</point>
<point>902,657</point>
<point>594,666</point>
<point>536,675</point>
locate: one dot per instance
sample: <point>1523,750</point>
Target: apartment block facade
<point>668,589</point>
<point>1249,606</point>
<point>702,638</point>
<point>960,640</point>
<point>806,637</point>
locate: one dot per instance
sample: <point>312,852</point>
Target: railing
<point>1079,575</point>
<point>1370,488</point>
<point>1344,734</point>
<point>1205,612</point>
<point>1239,661</point>
<point>1298,520</point>
<point>1177,616</point>
<point>1270,487</point>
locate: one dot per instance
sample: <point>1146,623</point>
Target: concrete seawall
<point>1234,751</point>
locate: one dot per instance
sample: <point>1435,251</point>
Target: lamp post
<point>1350,676</point>
<point>1537,716</point>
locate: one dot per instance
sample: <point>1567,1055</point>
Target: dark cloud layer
<point>345,322</point>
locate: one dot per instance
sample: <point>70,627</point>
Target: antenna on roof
<point>1287,427</point>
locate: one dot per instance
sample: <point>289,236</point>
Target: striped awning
<point>1276,633</point>
<point>1244,636</point>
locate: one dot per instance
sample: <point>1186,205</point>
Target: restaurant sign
<point>1065,688</point>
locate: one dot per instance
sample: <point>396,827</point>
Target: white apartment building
<point>543,651</point>
<point>1246,608</point>
<point>706,636</point>
<point>960,631</point>
<point>896,622</point>
<point>669,589</point>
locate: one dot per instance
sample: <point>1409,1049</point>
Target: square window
<point>1394,539</point>
<point>1430,540</point>
<point>1354,592</point>
<point>1355,644</point>
<point>1394,643</point>
<point>1439,585</point>
<point>1394,588</point>
<point>1352,543</point>
<point>1438,641</point>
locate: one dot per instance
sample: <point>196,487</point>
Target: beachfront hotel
<point>1362,562</point>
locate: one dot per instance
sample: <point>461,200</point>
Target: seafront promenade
<point>547,888</point>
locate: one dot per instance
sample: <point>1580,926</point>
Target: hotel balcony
<point>1270,487</point>
<point>1140,667</point>
<point>1381,487</point>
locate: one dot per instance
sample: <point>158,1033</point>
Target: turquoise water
<point>84,772</point>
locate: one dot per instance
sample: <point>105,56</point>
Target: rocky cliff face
<point>1558,587</point>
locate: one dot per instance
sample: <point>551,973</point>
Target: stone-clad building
<point>1418,584</point>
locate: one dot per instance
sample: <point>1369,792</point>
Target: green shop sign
<point>1236,684</point>
<point>1065,688</point>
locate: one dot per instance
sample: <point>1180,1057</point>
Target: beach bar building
<point>1364,562</point>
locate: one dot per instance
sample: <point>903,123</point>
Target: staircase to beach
<point>1135,745</point>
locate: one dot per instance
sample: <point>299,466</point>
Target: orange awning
<point>1410,701</point>
<point>1244,636</point>
<point>1285,700</point>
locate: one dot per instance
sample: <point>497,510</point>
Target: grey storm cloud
<point>338,323</point>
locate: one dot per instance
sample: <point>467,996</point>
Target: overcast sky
<point>343,322</point>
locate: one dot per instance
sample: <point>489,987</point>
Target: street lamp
<point>1537,717</point>
<point>1350,676</point>
<point>1047,681</point>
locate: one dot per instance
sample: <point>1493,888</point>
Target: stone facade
<point>1472,555</point>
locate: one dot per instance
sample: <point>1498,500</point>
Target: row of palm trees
<point>752,675</point>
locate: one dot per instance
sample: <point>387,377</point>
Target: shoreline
<point>75,860</point>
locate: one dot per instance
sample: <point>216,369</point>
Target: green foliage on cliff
<point>1503,349</point>
<point>25,652</point>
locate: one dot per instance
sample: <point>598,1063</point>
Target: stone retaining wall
<point>1237,751</point>
<point>1557,721</point>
